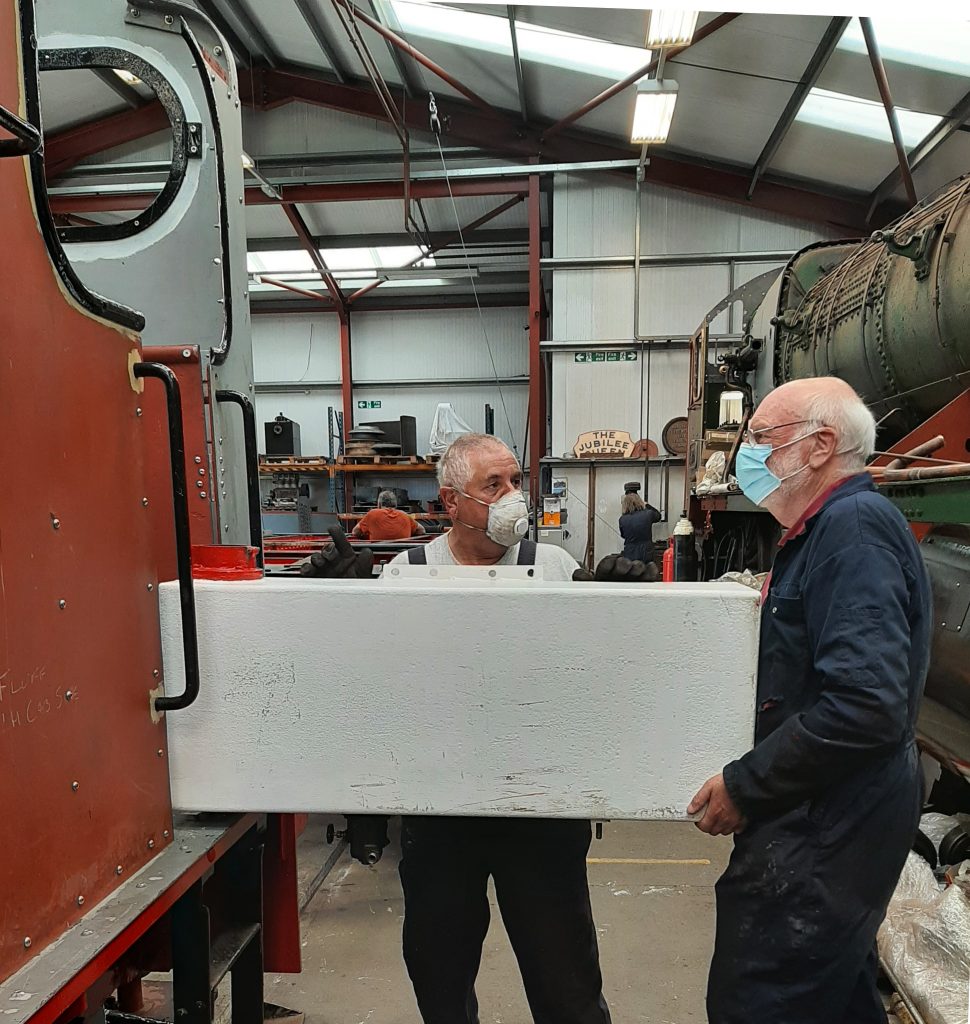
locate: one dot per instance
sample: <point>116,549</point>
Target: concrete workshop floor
<point>655,923</point>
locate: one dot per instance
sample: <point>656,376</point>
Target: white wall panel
<point>617,396</point>
<point>674,300</point>
<point>291,348</point>
<point>440,343</point>
<point>595,216</point>
<point>592,305</point>
<point>592,216</point>
<point>308,409</point>
<point>677,222</point>
<point>304,128</point>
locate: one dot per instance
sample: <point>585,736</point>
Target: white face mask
<point>508,518</point>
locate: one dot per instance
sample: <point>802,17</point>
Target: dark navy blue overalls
<point>832,789</point>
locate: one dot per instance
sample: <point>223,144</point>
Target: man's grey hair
<point>387,499</point>
<point>454,469</point>
<point>853,423</point>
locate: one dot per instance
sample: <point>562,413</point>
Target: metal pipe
<point>953,122</point>
<point>26,138</point>
<point>519,78</point>
<point>920,451</point>
<point>183,537</point>
<point>536,431</point>
<point>306,387</point>
<point>684,259</point>
<point>457,237</point>
<point>403,44</point>
<point>924,472</point>
<point>702,33</point>
<point>882,82</point>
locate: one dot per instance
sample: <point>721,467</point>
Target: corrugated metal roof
<point>733,87</point>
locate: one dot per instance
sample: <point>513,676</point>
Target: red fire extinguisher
<point>668,562</point>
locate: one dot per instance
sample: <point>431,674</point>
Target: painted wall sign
<point>618,356</point>
<point>604,444</point>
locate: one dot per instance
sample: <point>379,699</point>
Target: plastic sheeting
<point>447,426</point>
<point>925,941</point>
<point>754,580</point>
<point>714,471</point>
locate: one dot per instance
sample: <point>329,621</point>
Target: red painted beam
<point>465,124</point>
<point>537,443</point>
<point>67,148</point>
<point>331,192</point>
<point>450,240</point>
<point>306,238</point>
<point>268,88</point>
<point>402,44</point>
<point>607,94</point>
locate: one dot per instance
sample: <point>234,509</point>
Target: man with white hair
<point>539,866</point>
<point>825,807</point>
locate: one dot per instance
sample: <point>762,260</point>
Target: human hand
<point>720,816</point>
<point>617,569</point>
<point>339,560</point>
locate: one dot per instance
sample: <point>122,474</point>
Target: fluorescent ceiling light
<point>939,46</point>
<point>856,116</point>
<point>247,162</point>
<point>671,27</point>
<point>295,264</point>
<point>537,43</point>
<point>654,111</point>
<point>127,77</point>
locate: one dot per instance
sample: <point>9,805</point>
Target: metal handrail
<point>183,538</point>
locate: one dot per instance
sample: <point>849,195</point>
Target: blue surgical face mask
<point>755,478</point>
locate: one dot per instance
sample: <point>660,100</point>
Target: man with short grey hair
<point>825,807</point>
<point>387,521</point>
<point>539,866</point>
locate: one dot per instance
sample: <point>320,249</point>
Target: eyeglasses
<point>754,436</point>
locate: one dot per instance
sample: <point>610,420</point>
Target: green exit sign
<point>614,356</point>
<point>368,405</point>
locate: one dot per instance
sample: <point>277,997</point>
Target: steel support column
<point>537,433</point>
<point>519,77</point>
<point>319,32</point>
<point>347,399</point>
<point>953,122</point>
<point>882,81</point>
<point>805,85</point>
<point>406,47</point>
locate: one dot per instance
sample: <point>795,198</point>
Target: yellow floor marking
<point>645,860</point>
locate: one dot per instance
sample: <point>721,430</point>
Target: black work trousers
<point>801,901</point>
<point>539,867</point>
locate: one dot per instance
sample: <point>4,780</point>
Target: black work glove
<point>617,569</point>
<point>339,561</point>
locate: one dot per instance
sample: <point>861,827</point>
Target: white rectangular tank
<point>543,699</point>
